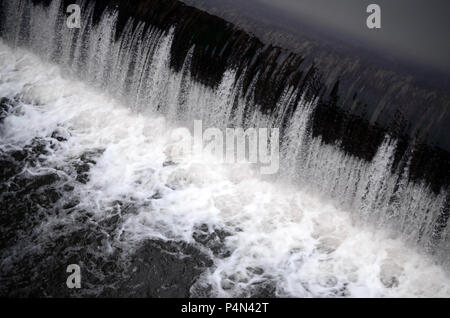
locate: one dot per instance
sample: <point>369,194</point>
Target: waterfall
<point>133,66</point>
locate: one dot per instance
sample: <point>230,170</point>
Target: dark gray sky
<point>418,30</point>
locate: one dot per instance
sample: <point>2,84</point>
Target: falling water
<point>133,67</point>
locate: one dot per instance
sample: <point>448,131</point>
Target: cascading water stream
<point>299,239</point>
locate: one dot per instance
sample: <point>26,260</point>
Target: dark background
<point>412,30</point>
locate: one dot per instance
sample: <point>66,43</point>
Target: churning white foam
<point>305,246</point>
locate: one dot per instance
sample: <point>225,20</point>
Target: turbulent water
<point>95,118</point>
